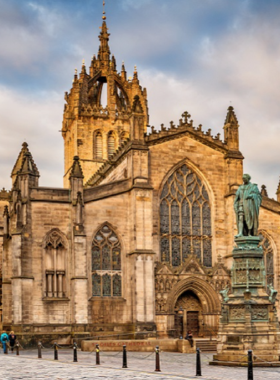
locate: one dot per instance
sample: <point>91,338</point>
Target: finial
<point>83,62</point>
<point>135,69</point>
<point>104,13</point>
<point>76,71</point>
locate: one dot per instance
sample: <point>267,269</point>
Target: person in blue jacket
<point>4,340</point>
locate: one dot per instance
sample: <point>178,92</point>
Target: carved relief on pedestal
<point>259,312</point>
<point>237,313</point>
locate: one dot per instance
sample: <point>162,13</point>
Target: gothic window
<point>55,264</point>
<point>111,143</point>
<point>268,258</point>
<point>106,264</point>
<point>185,218</point>
<point>98,145</point>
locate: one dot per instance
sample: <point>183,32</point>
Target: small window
<point>98,145</point>
<point>111,144</point>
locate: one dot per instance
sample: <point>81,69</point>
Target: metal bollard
<point>124,365</point>
<point>250,365</point>
<point>55,351</point>
<point>97,355</point>
<point>75,358</point>
<point>157,360</point>
<point>17,348</point>
<point>39,350</point>
<point>198,363</point>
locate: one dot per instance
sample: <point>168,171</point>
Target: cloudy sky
<point>196,56</point>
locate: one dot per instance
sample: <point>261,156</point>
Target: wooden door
<point>192,322</point>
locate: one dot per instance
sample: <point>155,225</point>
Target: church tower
<point>100,109</point>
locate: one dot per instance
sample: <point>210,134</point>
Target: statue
<point>246,206</point>
<point>224,293</point>
<point>273,294</point>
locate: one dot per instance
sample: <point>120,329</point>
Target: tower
<point>99,114</point>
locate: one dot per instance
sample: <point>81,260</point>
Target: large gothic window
<point>185,219</point>
<point>55,263</point>
<point>268,257</point>
<point>106,264</point>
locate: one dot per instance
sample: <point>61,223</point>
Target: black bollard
<point>97,355</point>
<point>198,363</point>
<point>124,362</point>
<point>157,360</point>
<point>75,357</point>
<point>39,350</point>
<point>17,348</point>
<point>55,351</point>
<point>250,365</point>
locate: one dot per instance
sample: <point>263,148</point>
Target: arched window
<point>98,145</point>
<point>55,273</point>
<point>268,257</point>
<point>106,264</point>
<point>185,219</point>
<point>111,143</point>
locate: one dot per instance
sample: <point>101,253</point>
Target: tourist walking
<point>12,341</point>
<point>4,340</point>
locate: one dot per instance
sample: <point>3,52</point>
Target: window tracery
<point>268,257</point>
<point>106,264</point>
<point>55,267</point>
<point>185,218</point>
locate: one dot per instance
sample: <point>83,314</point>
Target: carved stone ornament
<point>237,313</point>
<point>259,312</point>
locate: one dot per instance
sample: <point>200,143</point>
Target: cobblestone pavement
<point>140,366</point>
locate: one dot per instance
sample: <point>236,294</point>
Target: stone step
<point>206,345</point>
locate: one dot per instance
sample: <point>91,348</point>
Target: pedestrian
<point>4,340</point>
<point>189,337</point>
<point>12,340</point>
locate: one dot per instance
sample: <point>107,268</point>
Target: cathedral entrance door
<point>190,319</point>
<point>192,322</point>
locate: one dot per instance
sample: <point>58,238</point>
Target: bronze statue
<point>246,205</point>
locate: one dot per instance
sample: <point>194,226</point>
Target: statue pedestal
<point>248,320</point>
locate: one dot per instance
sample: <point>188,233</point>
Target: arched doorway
<point>188,313</point>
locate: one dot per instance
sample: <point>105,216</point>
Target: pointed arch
<point>111,143</point>
<point>185,217</point>
<point>98,145</point>
<point>106,263</point>
<point>55,246</point>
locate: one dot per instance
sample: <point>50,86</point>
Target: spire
<point>104,50</point>
<point>231,117</point>
<point>231,135</point>
<point>76,169</point>
<point>28,165</point>
<point>264,191</point>
<point>19,162</point>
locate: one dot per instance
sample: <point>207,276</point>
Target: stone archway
<point>199,303</point>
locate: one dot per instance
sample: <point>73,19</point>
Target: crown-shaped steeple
<point>103,101</point>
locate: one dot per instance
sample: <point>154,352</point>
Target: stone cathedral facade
<point>141,235</point>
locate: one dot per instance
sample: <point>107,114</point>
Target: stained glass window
<point>106,263</point>
<point>185,218</point>
<point>268,257</point>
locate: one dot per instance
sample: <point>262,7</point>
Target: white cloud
<point>37,122</point>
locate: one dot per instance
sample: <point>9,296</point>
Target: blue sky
<point>195,56</point>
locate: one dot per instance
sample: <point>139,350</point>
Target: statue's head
<point>246,178</point>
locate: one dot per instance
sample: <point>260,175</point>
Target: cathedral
<point>140,238</point>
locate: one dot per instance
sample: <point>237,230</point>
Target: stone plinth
<point>248,319</point>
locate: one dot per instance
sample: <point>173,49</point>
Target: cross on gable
<point>186,116</point>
